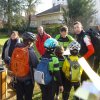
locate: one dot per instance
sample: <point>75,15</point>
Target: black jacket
<point>11,48</point>
<point>80,38</point>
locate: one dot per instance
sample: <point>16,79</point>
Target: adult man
<point>42,36</point>
<point>87,49</point>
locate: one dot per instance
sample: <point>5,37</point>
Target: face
<point>14,36</point>
<point>77,28</point>
<point>99,27</point>
<point>40,30</point>
<point>64,34</point>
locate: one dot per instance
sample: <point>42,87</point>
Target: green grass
<point>3,38</point>
<point>37,92</point>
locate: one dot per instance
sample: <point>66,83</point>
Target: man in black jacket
<point>87,49</point>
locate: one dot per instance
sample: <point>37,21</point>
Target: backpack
<point>20,62</point>
<point>41,73</point>
<point>95,39</point>
<point>73,71</point>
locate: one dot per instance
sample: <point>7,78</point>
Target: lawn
<point>37,93</point>
<point>3,38</point>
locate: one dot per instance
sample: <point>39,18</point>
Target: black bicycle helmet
<point>29,36</point>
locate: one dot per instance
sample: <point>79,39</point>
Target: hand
<point>61,89</point>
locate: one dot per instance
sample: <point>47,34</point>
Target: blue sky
<point>45,4</point>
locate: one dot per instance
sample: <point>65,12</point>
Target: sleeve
<point>37,44</point>
<point>3,50</point>
<point>90,47</point>
<point>48,36</point>
<point>57,37</point>
<point>71,38</point>
<point>33,58</point>
<point>57,71</point>
<point>66,65</point>
<point>81,70</point>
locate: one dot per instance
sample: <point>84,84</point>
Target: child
<point>63,38</point>
<point>59,53</point>
<point>49,89</point>
<point>23,61</point>
<point>72,70</point>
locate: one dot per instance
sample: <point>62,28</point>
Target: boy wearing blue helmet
<point>49,89</point>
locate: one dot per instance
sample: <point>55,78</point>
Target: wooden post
<point>3,83</point>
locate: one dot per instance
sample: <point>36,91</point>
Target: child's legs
<point>67,87</point>
<point>28,87</point>
<point>76,85</point>
<point>47,91</point>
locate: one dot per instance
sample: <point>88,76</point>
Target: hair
<point>77,22</point>
<point>16,32</point>
<point>40,27</point>
<point>59,50</point>
<point>64,29</point>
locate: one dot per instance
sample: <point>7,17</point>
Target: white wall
<point>57,2</point>
<point>97,15</point>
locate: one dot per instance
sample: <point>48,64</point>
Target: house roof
<point>52,10</point>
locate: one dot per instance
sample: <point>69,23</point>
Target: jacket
<point>54,67</point>
<point>87,49</point>
<point>8,49</point>
<point>67,67</point>
<point>40,42</point>
<point>64,41</point>
<point>33,61</point>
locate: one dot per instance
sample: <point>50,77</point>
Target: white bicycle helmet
<point>74,46</point>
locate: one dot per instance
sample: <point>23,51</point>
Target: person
<point>24,77</point>
<point>7,51</point>
<point>59,50</point>
<point>97,57</point>
<point>87,49</point>
<point>63,38</point>
<point>72,70</point>
<point>42,36</point>
<point>9,46</point>
<point>48,91</point>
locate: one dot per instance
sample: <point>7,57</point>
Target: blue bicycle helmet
<point>51,43</point>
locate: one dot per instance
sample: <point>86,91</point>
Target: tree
<point>81,10</point>
<point>30,9</point>
<point>12,11</point>
<point>9,8</point>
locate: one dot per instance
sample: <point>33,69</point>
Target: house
<point>53,15</point>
